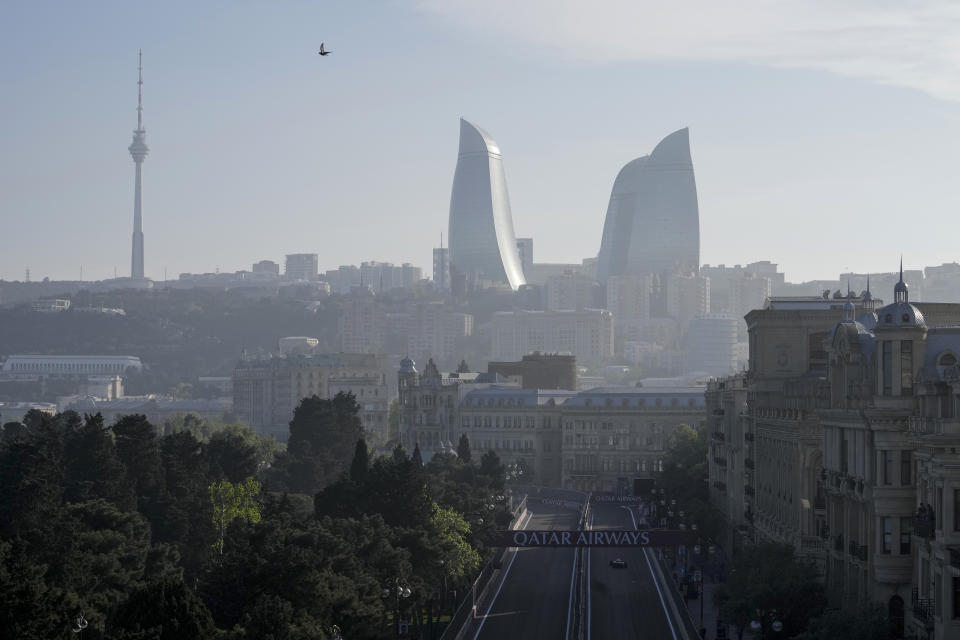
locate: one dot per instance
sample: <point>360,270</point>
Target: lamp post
<point>79,624</point>
<point>757,625</point>
<point>399,589</point>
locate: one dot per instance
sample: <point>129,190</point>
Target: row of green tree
<point>152,536</point>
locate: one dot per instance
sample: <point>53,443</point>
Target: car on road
<point>618,563</point>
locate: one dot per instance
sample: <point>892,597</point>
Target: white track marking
<point>663,603</point>
<point>589,590</point>
<point>503,580</point>
<point>573,574</point>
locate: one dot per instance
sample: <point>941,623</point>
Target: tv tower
<point>138,151</point>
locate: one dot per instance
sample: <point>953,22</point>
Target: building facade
<point>266,391</point>
<point>850,436</point>
<point>301,266</point>
<point>586,334</point>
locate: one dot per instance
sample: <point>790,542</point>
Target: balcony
<point>954,557</point>
<point>858,551</point>
<point>924,529</point>
<point>922,425</point>
<point>923,608</point>
<point>812,544</point>
<point>748,491</point>
<point>748,436</point>
<point>748,463</point>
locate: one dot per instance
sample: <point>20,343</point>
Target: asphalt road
<point>624,603</point>
<point>534,599</point>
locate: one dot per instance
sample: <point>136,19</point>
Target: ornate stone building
<point>856,461</point>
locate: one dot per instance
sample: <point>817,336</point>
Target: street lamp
<point>400,590</point>
<point>335,632</point>
<point>757,625</point>
<point>79,624</point>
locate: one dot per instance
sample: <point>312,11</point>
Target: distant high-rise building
<point>441,268</point>
<point>301,266</point>
<point>525,249</point>
<point>266,266</point>
<point>572,291</point>
<point>687,296</point>
<point>712,345</point>
<point>653,221</point>
<point>482,241</point>
<point>138,151</point>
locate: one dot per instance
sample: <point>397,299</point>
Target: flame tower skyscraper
<point>138,151</point>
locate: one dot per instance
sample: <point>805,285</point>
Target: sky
<point>824,135</point>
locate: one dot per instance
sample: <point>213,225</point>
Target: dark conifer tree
<point>463,448</point>
<point>361,462</point>
<point>416,458</point>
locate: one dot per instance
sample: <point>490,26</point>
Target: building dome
<point>900,314</point>
<point>407,365</point>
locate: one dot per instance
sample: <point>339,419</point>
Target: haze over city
<point>480,320</point>
<point>834,123</point>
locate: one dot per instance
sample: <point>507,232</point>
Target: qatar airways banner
<point>641,538</point>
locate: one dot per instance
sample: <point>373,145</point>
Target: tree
<point>323,434</point>
<point>463,448</point>
<point>450,536</point>
<point>768,582</point>
<point>163,610</point>
<point>232,502</point>
<point>93,468</point>
<point>417,457</point>
<point>30,607</point>
<point>867,622</point>
<point>139,451</point>
<point>685,469</point>
<point>361,462</point>
<point>231,456</point>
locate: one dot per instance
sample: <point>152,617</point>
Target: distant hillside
<point>178,334</point>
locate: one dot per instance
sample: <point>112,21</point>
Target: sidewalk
<point>709,621</point>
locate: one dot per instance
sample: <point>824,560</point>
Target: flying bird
<point>323,51</point>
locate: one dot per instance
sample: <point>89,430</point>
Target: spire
<point>139,90</point>
<point>900,293</point>
<point>849,311</point>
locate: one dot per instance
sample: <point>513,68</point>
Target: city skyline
<point>248,175</point>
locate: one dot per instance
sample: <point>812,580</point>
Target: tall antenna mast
<point>139,90</point>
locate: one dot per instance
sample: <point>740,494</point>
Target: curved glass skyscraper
<point>653,222</point>
<point>482,241</point>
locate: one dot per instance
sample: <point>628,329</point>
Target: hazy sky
<point>823,138</point>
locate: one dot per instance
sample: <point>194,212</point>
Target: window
<point>887,368</point>
<point>956,598</point>
<point>886,466</point>
<point>956,509</point>
<point>887,546</point>
<point>906,368</point>
<point>905,468</point>
<point>843,453</point>
<point>906,530</point>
